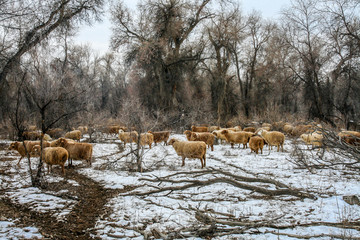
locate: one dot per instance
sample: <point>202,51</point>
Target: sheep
<point>188,134</point>
<point>19,146</point>
<point>288,128</point>
<point>219,135</point>
<point>55,132</point>
<point>83,129</point>
<point>31,135</point>
<point>350,137</point>
<point>249,129</point>
<point>75,135</point>
<point>278,125</point>
<point>273,138</point>
<point>190,149</point>
<point>114,129</point>
<point>32,128</point>
<point>128,137</point>
<point>146,138</point>
<point>267,125</point>
<point>256,143</point>
<point>162,136</point>
<point>77,151</point>
<point>265,128</point>
<point>53,156</point>
<point>206,137</point>
<point>199,129</point>
<point>237,128</point>
<point>315,138</point>
<point>213,128</point>
<point>237,137</point>
<point>300,129</point>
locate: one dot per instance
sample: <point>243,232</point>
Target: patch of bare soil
<point>91,199</point>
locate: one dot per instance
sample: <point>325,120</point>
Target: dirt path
<point>79,223</point>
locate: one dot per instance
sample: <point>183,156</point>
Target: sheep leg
<point>63,169</point>
<point>204,159</point>
<point>212,147</point>
<point>183,161</point>
<point>19,161</point>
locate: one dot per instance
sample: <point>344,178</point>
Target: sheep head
<point>172,141</point>
<point>14,146</point>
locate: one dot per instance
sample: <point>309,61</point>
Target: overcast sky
<point>98,36</point>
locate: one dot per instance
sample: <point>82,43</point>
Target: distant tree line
<point>180,62</point>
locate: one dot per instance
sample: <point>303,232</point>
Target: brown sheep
<point>213,128</point>
<point>32,135</point>
<point>206,137</point>
<point>146,138</point>
<point>75,135</point>
<point>114,129</point>
<point>83,129</point>
<point>55,132</point>
<point>315,138</point>
<point>199,129</point>
<point>241,137</point>
<point>190,149</point>
<point>162,136</point>
<point>128,137</point>
<point>53,156</point>
<point>188,134</point>
<point>237,128</point>
<point>77,151</point>
<point>288,128</point>
<point>256,143</point>
<point>219,135</point>
<point>273,138</point>
<point>300,129</point>
<point>350,137</point>
<point>267,125</point>
<point>249,129</point>
<point>19,146</point>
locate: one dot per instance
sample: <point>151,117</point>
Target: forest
<point>273,106</point>
<point>179,62</point>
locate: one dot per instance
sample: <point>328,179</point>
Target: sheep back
<point>161,136</point>
<point>241,137</point>
<point>77,151</point>
<point>55,156</point>
<point>206,137</point>
<point>190,149</point>
<point>199,129</point>
<point>273,138</point>
<point>75,135</point>
<point>146,138</point>
<point>256,143</point>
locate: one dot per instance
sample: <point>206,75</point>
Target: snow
<point>8,230</point>
<point>137,216</point>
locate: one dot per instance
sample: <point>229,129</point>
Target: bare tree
<point>26,24</point>
<point>341,25</point>
<point>161,42</point>
<point>305,38</point>
<point>223,34</point>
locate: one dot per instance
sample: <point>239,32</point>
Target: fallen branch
<point>197,183</point>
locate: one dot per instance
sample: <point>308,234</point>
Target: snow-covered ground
<point>175,212</point>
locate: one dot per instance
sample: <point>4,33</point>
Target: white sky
<point>98,35</point>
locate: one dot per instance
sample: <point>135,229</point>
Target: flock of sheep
<point>199,138</point>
